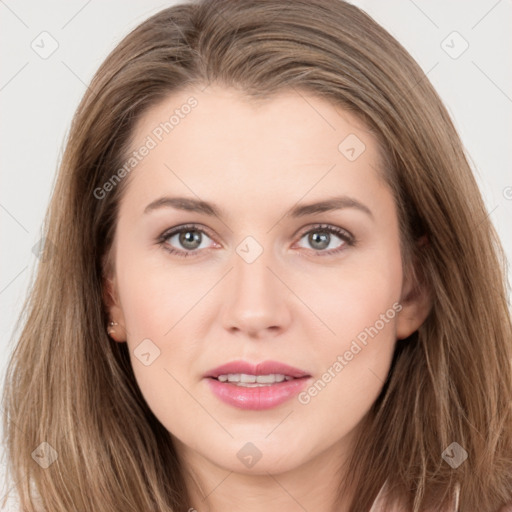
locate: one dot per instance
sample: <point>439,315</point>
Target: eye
<point>189,240</point>
<point>320,237</point>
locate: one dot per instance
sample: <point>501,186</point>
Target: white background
<point>38,98</point>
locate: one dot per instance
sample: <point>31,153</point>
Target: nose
<point>256,302</point>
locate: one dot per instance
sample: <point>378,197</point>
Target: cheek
<point>154,296</point>
<point>352,372</point>
<point>355,359</point>
<point>358,298</point>
<point>155,303</point>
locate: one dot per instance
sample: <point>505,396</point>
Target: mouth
<point>253,381</point>
<point>244,371</point>
<point>256,386</point>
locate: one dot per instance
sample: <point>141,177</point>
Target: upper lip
<point>263,368</point>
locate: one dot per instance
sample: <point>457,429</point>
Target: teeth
<point>243,379</point>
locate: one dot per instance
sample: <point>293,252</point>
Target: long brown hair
<point>69,387</point>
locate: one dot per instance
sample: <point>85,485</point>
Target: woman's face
<point>258,275</point>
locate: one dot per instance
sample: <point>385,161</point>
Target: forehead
<point>221,141</point>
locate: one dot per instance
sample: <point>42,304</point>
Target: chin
<point>254,458</point>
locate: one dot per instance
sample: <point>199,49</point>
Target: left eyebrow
<point>195,205</point>
<point>336,203</point>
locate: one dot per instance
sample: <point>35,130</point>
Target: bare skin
<point>298,302</point>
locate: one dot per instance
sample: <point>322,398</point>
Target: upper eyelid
<point>173,231</point>
<point>328,227</point>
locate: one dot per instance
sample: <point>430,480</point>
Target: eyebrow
<point>195,205</point>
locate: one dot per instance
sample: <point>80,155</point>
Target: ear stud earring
<point>111,329</point>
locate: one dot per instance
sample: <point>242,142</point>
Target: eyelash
<point>341,233</point>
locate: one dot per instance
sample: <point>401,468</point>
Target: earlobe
<point>116,327</point>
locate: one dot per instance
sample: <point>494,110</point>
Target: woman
<point>339,337</point>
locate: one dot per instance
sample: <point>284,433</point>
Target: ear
<point>115,312</point>
<point>416,299</point>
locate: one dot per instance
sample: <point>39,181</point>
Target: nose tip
<point>254,298</point>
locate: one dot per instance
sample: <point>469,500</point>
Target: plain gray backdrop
<point>51,49</point>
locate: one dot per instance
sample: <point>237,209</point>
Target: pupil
<point>322,239</point>
<point>188,239</point>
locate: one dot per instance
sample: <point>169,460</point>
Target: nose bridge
<point>255,296</point>
<point>252,278</point>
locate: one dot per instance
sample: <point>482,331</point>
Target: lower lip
<point>257,398</point>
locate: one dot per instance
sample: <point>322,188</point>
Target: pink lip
<point>257,398</point>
